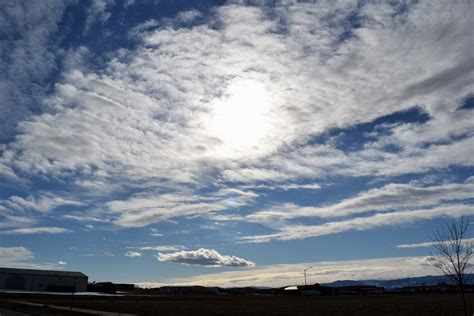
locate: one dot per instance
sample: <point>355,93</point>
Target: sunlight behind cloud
<point>240,119</point>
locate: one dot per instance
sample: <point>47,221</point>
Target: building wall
<point>31,282</point>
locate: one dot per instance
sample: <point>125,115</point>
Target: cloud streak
<point>37,230</point>
<point>426,244</point>
<point>132,254</point>
<point>290,232</point>
<point>384,199</point>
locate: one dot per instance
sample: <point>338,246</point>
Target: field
<point>385,304</point>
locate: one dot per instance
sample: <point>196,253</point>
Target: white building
<point>42,280</point>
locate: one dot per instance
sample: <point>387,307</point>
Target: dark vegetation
<point>212,304</point>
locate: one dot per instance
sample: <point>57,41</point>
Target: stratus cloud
<point>292,274</point>
<point>291,231</point>
<point>132,254</point>
<point>37,230</point>
<point>204,257</point>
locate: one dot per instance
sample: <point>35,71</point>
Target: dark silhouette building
<point>42,280</point>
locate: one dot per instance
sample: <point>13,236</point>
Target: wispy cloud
<point>132,254</point>
<point>291,231</point>
<point>97,12</point>
<point>37,230</point>
<point>427,244</point>
<point>161,248</point>
<point>42,203</point>
<point>142,210</point>
<point>103,253</point>
<point>21,257</point>
<point>390,197</point>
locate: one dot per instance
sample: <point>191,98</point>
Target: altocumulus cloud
<point>204,257</point>
<point>172,117</point>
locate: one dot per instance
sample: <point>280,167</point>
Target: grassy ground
<point>387,304</point>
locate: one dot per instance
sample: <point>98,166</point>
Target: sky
<point>233,143</point>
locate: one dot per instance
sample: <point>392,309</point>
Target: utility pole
<point>304,271</point>
<point>72,296</point>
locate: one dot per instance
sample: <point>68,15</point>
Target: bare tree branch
<point>453,252</point>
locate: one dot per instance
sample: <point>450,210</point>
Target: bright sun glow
<point>240,118</point>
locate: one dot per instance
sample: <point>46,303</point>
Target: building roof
<point>42,272</point>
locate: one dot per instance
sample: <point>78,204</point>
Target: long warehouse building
<point>42,280</point>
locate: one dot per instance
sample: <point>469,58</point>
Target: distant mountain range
<point>423,280</point>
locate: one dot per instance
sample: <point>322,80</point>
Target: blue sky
<point>233,143</point>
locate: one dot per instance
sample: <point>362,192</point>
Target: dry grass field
<point>387,304</point>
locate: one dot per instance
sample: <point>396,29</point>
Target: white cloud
<point>426,244</point>
<point>42,203</point>
<point>309,45</point>
<point>132,254</point>
<point>12,221</point>
<point>390,197</point>
<point>18,212</point>
<point>142,210</point>
<point>292,231</point>
<point>97,12</point>
<point>162,248</point>
<point>103,253</point>
<point>188,16</point>
<point>28,58</point>
<point>204,257</point>
<point>62,263</point>
<point>37,230</point>
<point>15,254</point>
<point>148,119</point>
<point>285,187</point>
<point>20,257</point>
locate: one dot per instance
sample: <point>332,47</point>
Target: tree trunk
<point>463,299</point>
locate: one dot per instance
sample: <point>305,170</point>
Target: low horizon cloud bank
<point>322,272</point>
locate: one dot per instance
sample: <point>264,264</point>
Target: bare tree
<point>453,250</point>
